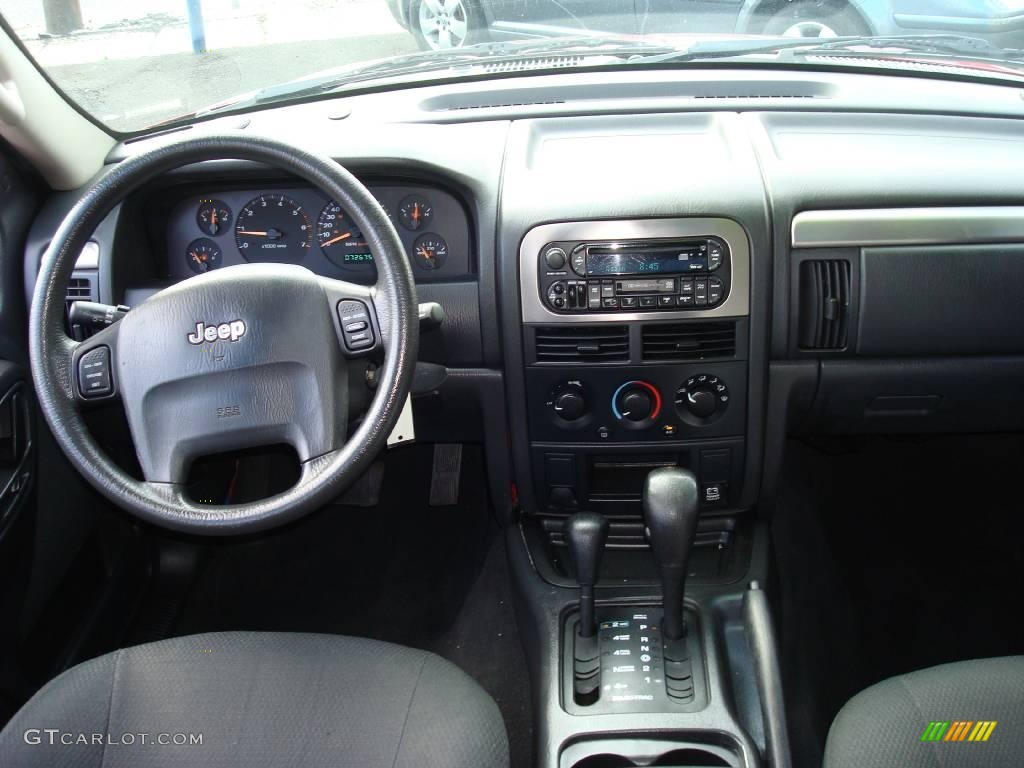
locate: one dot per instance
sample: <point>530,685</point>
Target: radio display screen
<point>647,261</point>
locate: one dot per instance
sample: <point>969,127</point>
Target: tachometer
<point>340,238</point>
<point>273,228</point>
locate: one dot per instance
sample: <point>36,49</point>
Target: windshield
<point>139,64</point>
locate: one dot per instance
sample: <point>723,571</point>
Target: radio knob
<point>555,258</point>
<point>569,402</point>
<point>636,403</point>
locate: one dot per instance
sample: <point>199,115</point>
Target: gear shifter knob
<point>585,533</point>
<point>670,513</point>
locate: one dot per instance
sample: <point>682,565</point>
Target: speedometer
<point>273,228</point>
<point>340,238</point>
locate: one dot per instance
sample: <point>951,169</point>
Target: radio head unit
<point>691,273</point>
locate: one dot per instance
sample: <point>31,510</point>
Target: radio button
<point>700,290</point>
<point>648,301</point>
<point>578,296</point>
<point>607,289</point>
<point>715,255</point>
<point>666,301</point>
<point>627,302</point>
<point>594,295</point>
<point>579,262</point>
<point>554,258</point>
<point>686,300</point>
<point>715,288</point>
<point>610,303</point>
<point>686,287</point>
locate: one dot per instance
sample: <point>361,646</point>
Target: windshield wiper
<point>940,45</point>
<point>492,55</point>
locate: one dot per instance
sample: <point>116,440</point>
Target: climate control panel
<point>657,403</point>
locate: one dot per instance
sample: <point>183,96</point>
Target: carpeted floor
<point>893,555</point>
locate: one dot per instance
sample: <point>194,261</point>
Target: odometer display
<point>273,228</point>
<point>340,238</point>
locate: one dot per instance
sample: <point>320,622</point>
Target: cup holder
<point>677,758</point>
<point>640,752</point>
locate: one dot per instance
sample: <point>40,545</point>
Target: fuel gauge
<point>213,217</point>
<point>430,251</point>
<point>203,255</point>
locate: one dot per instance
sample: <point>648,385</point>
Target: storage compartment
<point>941,300</point>
<point>919,396</point>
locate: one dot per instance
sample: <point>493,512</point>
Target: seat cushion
<point>885,725</point>
<point>260,699</point>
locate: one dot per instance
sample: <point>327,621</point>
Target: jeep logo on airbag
<point>230,331</point>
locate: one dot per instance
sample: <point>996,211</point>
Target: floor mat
<point>484,639</point>
<point>893,555</point>
<point>432,577</point>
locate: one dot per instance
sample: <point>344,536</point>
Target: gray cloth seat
<point>260,699</point>
<point>882,727</point>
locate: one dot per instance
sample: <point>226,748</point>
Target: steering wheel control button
<point>94,377</point>
<point>355,325</point>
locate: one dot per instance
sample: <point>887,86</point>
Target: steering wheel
<point>236,358</point>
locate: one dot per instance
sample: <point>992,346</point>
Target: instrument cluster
<point>299,225</point>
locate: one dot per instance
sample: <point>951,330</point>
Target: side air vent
<point>689,341</point>
<point>824,304</point>
<point>79,289</point>
<point>582,344</point>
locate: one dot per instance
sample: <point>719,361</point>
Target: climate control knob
<point>702,397</point>
<point>636,404</point>
<point>569,402</point>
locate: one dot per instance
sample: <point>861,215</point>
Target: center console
<point>636,341</point>
<point>635,336</point>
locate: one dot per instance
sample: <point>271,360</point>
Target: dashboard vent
<point>824,304</point>
<point>582,344</point>
<point>539,62</point>
<point>689,341</point>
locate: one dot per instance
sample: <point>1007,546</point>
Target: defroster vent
<point>824,304</point>
<point>582,344</point>
<point>689,341</point>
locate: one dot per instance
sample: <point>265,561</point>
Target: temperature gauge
<point>415,212</point>
<point>203,255</point>
<point>430,251</point>
<point>213,217</point>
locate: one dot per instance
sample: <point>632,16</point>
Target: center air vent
<point>689,341</point>
<point>824,304</point>
<point>582,344</point>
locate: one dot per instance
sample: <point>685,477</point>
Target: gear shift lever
<point>585,533</point>
<point>670,513</point>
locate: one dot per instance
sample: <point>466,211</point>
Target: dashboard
<point>645,268</point>
<point>210,228</point>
